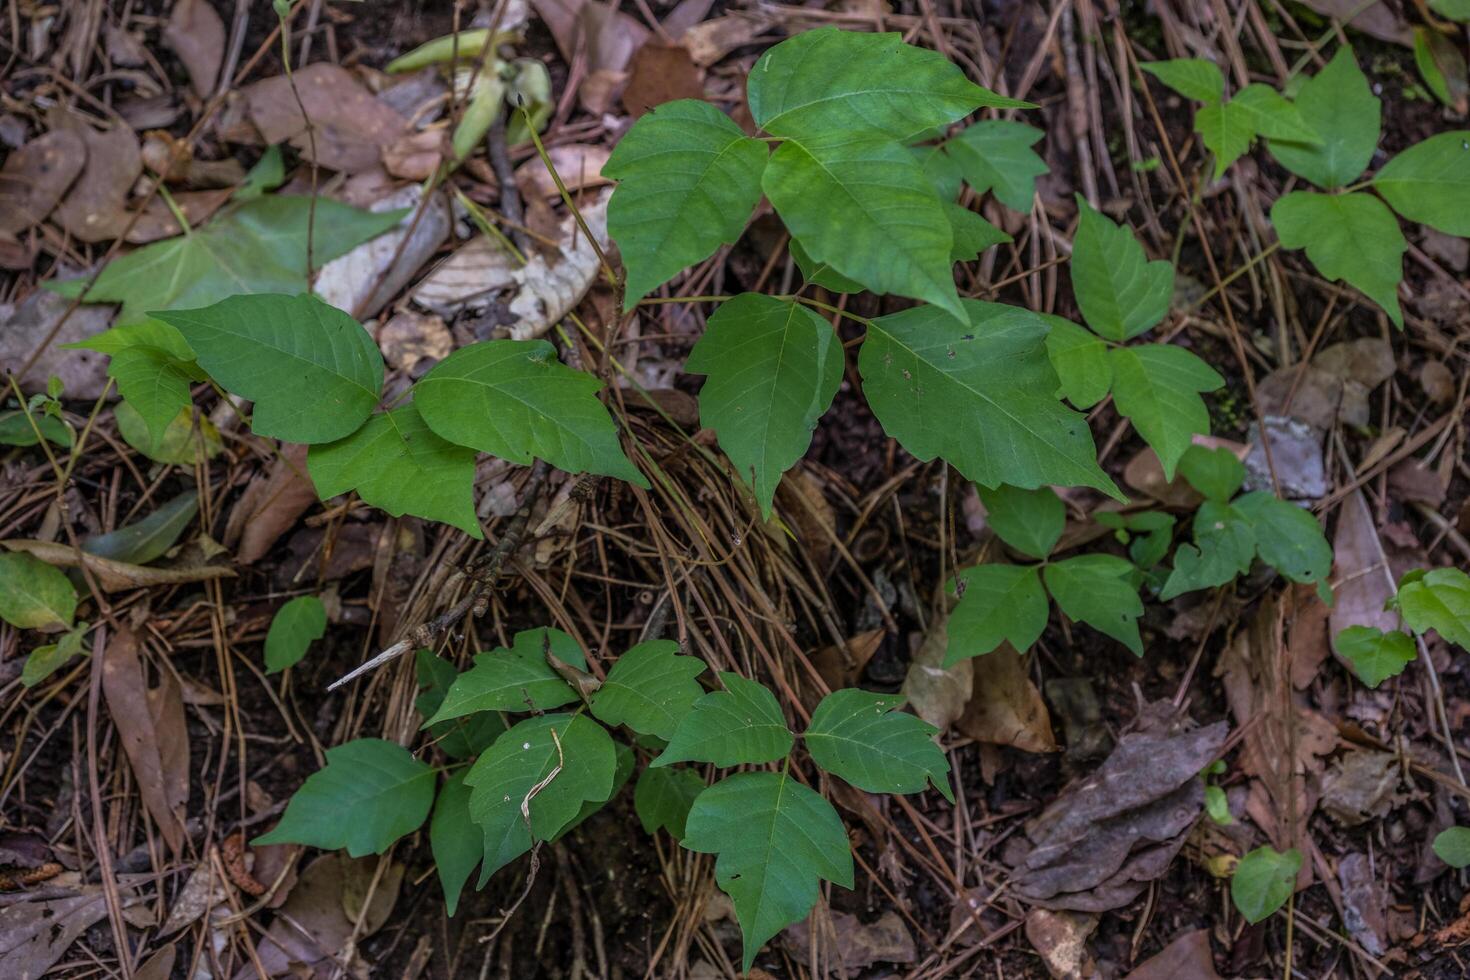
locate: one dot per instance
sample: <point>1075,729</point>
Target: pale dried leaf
<point>95,209</point>
<point>1061,939</point>
<point>270,505</point>
<point>938,695</point>
<point>1360,583</point>
<point>35,176</point>
<point>197,35</point>
<point>116,576</point>
<point>1006,709</point>
<point>350,128</point>
<point>1186,957</point>
<point>365,279</point>
<point>578,164</point>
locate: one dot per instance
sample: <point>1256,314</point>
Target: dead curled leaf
<point>34,935</point>
<point>849,944</point>
<point>938,694</point>
<point>197,35</point>
<point>35,176</point>
<point>1006,708</point>
<point>150,724</point>
<point>1097,845</point>
<point>1360,583</point>
<point>350,128</point>
<point>115,576</point>
<point>95,209</point>
<point>545,290</point>
<point>1188,956</point>
<point>313,926</point>
<point>270,505</point>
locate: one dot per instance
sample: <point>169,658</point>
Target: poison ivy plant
<point>1328,138</point>
<point>650,689</point>
<point>1437,600</point>
<point>741,724</point>
<point>47,659</point>
<point>1122,294</point>
<point>1452,846</point>
<point>773,367</point>
<point>1230,532</point>
<point>662,799</point>
<point>1375,655</point>
<point>1228,126</point>
<point>294,628</point>
<point>384,789</point>
<point>515,679</point>
<point>775,841</point>
<point>858,736</point>
<point>1001,603</point>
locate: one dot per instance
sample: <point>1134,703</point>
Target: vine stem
<point>483,572</point>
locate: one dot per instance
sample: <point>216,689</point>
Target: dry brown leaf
<point>1284,742</point>
<point>350,128</point>
<point>203,891</point>
<point>546,290</point>
<point>312,926</point>
<point>849,945</point>
<point>83,373</point>
<point>271,503</point>
<point>34,935</point>
<point>711,40</point>
<point>802,502</point>
<point>1107,835</point>
<point>834,664</point>
<point>1373,17</point>
<point>1361,786</point>
<point>1186,958</point>
<point>1360,583</point>
<point>95,209</point>
<point>1306,640</point>
<point>661,73</point>
<point>409,338</point>
<point>158,221</point>
<point>1006,709</point>
<point>150,725</point>
<point>938,694</point>
<point>159,966</point>
<point>197,35</point>
<point>364,280</point>
<point>115,576</point>
<point>35,176</point>
<point>417,155</point>
<point>1364,901</point>
<point>1061,939</point>
<point>578,164</point>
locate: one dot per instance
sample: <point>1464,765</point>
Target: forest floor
<point>1372,419</point>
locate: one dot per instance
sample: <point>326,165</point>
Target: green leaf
<point>153,384</point>
<point>1272,114</point>
<point>688,179</point>
<point>143,540</point>
<point>147,332</point>
<point>741,724</point>
<point>460,738</point>
<point>1439,600</point>
<point>650,689</point>
<point>33,594</point>
<point>775,840</point>
<point>1352,237</point>
<point>570,767</point>
<point>857,735</point>
<point>1081,361</point>
<point>1098,590</point>
<point>268,173</point>
<point>820,273</point>
<point>830,82</point>
<point>1458,10</point>
<point>1263,881</point>
<point>1031,521</point>
<point>1226,131</point>
<point>981,396</point>
<point>1215,473</point>
<point>773,369</point>
<point>1452,846</point>
<point>46,660</point>
<point>1224,546</point>
<point>662,798</point>
<point>1217,805</point>
<point>16,430</point>
<point>1375,655</point>
<point>1338,106</point>
<point>295,626</point>
<point>865,208</point>
<point>1120,293</point>
<point>1288,538</point>
<point>1156,387</point>
<point>942,170</point>
<point>1430,183</point>
<point>396,463</point>
<point>256,247</point>
<point>188,439</point>
<point>1193,78</point>
<point>371,793</point>
<point>972,233</point>
<point>996,155</point>
<point>514,399</point>
<point>518,679</point>
<point>998,603</point>
<point>623,762</point>
<point>456,842</point>
<point>313,372</point>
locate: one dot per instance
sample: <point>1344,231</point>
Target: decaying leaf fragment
<point>1106,836</point>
